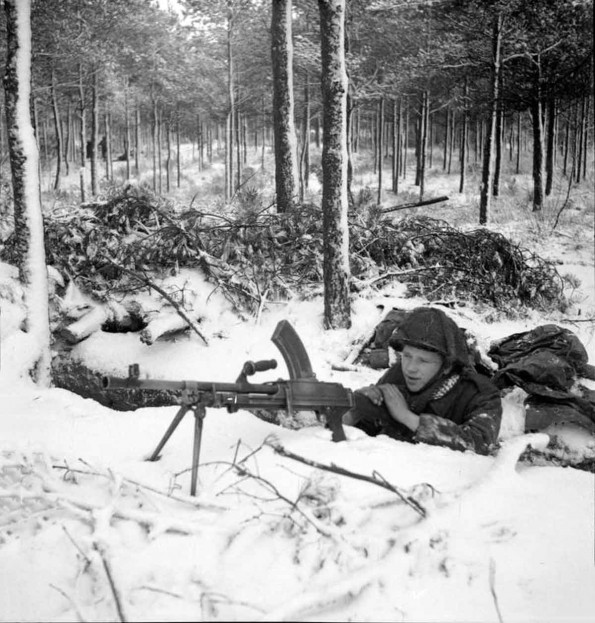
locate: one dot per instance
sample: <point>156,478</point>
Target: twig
<point>76,545</point>
<point>177,498</point>
<point>324,597</point>
<point>396,273</point>
<point>492,579</point>
<point>77,609</point>
<point>243,471</point>
<point>375,479</point>
<point>110,578</point>
<point>144,518</point>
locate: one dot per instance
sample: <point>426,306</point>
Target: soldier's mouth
<point>411,380</point>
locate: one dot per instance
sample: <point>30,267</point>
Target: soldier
<point>432,394</point>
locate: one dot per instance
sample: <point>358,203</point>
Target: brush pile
<point>253,255</point>
<point>442,262</point>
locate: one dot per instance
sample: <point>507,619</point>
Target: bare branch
<point>375,479</point>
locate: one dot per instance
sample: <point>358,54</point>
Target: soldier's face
<point>419,367</point>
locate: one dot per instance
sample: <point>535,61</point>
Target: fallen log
<point>406,206</point>
<point>120,317</point>
<point>165,324</point>
<point>151,284</point>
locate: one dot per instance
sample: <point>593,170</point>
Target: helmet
<point>431,329</point>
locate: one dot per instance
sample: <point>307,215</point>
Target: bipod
<point>200,412</point>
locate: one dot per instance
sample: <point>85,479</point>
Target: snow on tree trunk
<point>24,161</point>
<point>286,169</point>
<point>337,310</point>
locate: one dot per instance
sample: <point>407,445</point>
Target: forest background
<point>483,82</point>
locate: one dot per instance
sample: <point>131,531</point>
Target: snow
<point>91,530</point>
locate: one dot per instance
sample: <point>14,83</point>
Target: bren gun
<point>302,392</point>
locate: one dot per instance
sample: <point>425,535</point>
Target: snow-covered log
<point>166,323</point>
<point>120,318</point>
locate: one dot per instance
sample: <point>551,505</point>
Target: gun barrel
<point>112,382</point>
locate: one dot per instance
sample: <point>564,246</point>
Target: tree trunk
<point>337,308</point>
<point>430,139</point>
<point>487,173</point>
<point>83,134</point>
<point>94,133</point>
<point>68,139</point>
<point>581,139</point>
<point>375,142</point>
<point>167,157</point>
<point>586,133</point>
<point>537,155</point>
<point>107,153</point>
<point>178,142</point>
<point>24,162</point>
<point>380,147</point>
<point>423,142</point>
<point>238,147</point>
<point>464,137</point>
<point>518,144</point>
<point>154,145</point>
<point>356,134</point>
<point>396,144</point>
<point>58,131</point>
<point>566,143</point>
<point>446,139</point>
<point>452,137</point>
<point>264,136</point>
<point>305,153</point>
<point>537,124</point>
<point>159,150</point>
<point>231,107</point>
<point>286,173</point>
<point>405,141</point>
<point>498,146</point>
<point>550,146</point>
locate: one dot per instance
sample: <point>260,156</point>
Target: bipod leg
<point>168,433</point>
<point>199,416</point>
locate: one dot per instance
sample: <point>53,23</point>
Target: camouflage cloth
<point>462,411</point>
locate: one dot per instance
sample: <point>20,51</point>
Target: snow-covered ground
<point>90,530</point>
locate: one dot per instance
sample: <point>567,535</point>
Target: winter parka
<point>459,409</point>
<point>462,411</point>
